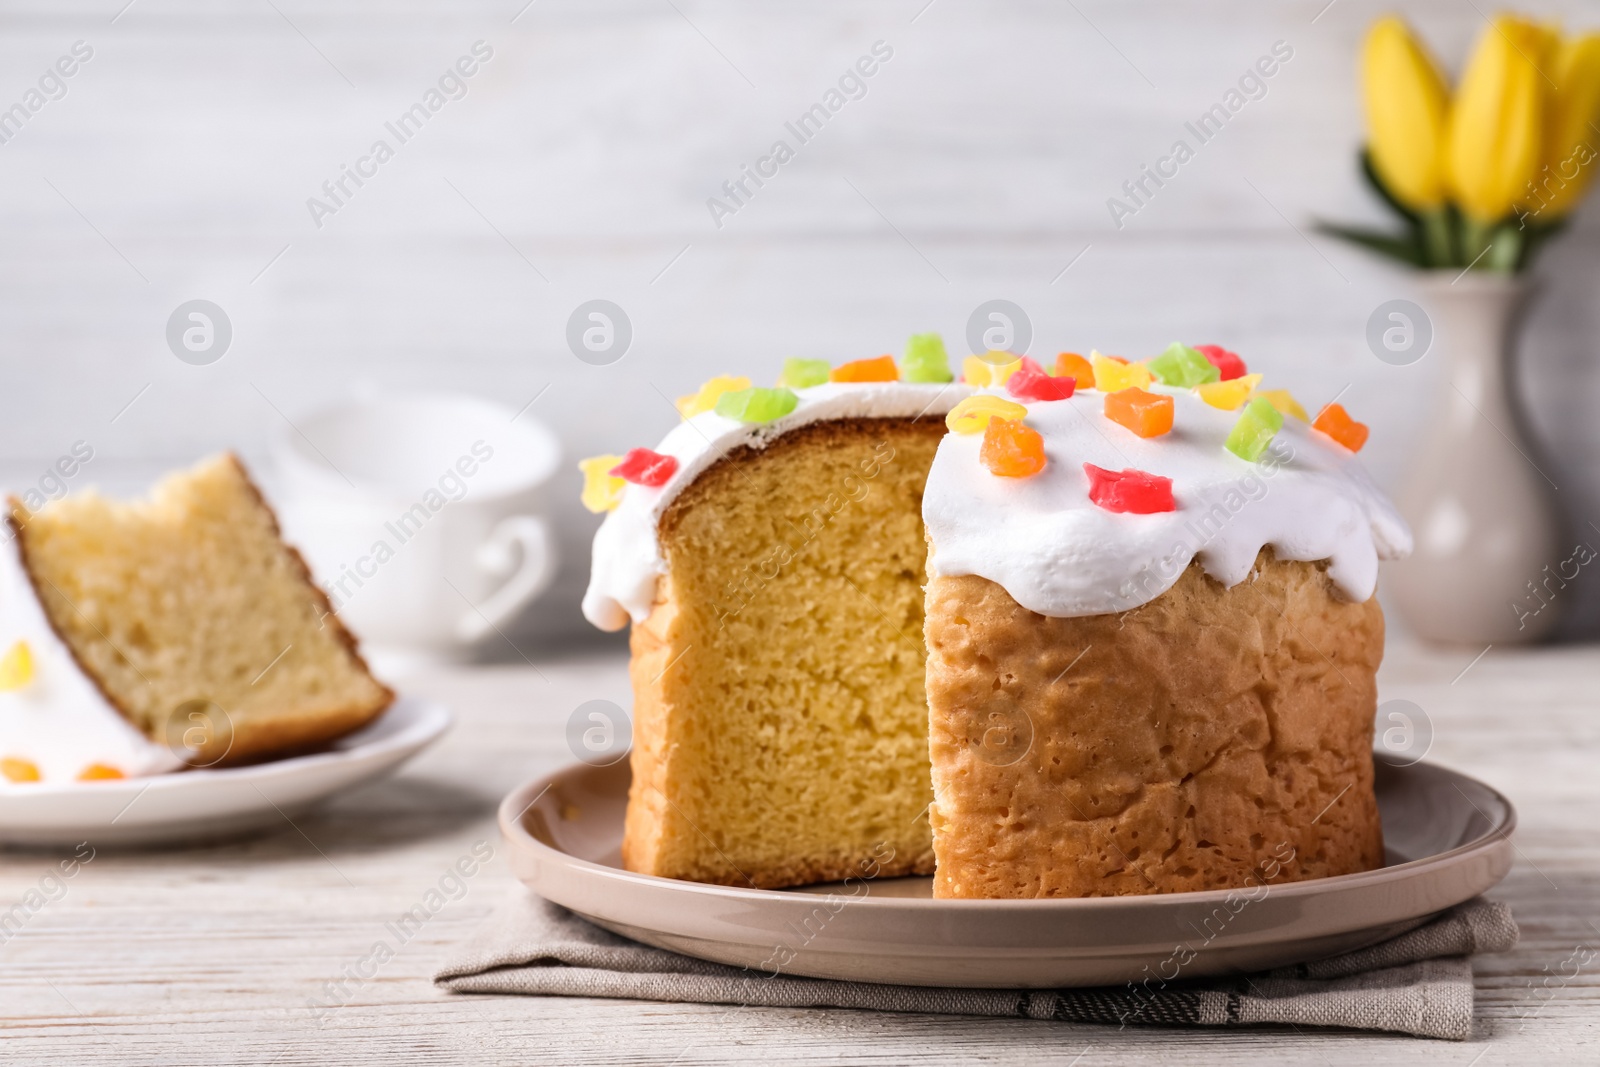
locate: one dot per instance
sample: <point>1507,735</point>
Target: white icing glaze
<point>627,558</point>
<point>60,721</point>
<point>1041,538</point>
<point>1059,554</point>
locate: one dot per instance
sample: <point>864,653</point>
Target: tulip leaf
<point>1402,247</point>
<point>1490,246</point>
<point>1376,183</point>
<point>1505,249</point>
<point>1436,235</point>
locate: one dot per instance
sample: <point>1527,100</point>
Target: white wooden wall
<point>578,165</point>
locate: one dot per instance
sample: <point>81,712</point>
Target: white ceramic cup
<point>419,515</point>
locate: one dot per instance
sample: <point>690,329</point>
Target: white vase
<point>1480,497</point>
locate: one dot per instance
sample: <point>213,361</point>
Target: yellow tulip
<point>1570,138</point>
<point>1493,136</point>
<point>1407,104</point>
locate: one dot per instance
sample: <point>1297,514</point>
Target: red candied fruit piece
<point>644,467</point>
<point>1129,490</point>
<point>1227,362</point>
<point>1027,384</point>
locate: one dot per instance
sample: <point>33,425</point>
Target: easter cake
<point>1103,629</point>
<point>143,637</point>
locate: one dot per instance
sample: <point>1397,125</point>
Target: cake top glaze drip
<point>1041,536</point>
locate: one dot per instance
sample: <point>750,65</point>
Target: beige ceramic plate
<point>214,804</point>
<point>1448,838</point>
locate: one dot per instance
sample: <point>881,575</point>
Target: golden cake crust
<point>1212,738</point>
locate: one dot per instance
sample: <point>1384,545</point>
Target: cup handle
<point>530,573</point>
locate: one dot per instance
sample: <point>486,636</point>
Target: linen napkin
<point>1419,982</point>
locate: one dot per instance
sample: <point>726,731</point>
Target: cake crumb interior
<point>781,720</point>
<point>189,599</point>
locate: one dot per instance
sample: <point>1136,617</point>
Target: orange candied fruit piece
<point>99,772</point>
<point>1145,413</point>
<point>1336,422</point>
<point>1011,449</point>
<point>881,369</point>
<point>1072,365</point>
<point>14,769</point>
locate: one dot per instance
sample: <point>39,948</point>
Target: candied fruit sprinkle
<point>99,772</point>
<point>1145,413</point>
<point>1071,365</point>
<point>757,404</point>
<point>705,398</point>
<point>926,359</point>
<point>1336,422</point>
<point>1129,491</point>
<point>17,769</point>
<point>602,490</point>
<point>1112,375</point>
<point>877,369</point>
<point>1229,395</point>
<point>974,413</point>
<point>1029,384</point>
<point>992,368</point>
<point>641,466</point>
<point>1183,367</point>
<point>1228,364</point>
<point>16,667</point>
<point>1284,402</point>
<point>803,373</point>
<point>1258,424</point>
<point>1011,449</point>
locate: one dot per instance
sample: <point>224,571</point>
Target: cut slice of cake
<point>194,619</point>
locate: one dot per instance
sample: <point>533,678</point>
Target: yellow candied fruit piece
<point>1229,395</point>
<point>1286,404</point>
<point>706,398</point>
<point>602,491</point>
<point>983,370</point>
<point>972,415</point>
<point>16,668</point>
<point>1111,376</point>
<point>15,769</point>
<point>99,772</point>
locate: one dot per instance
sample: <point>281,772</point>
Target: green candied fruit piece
<point>803,373</point>
<point>1183,366</point>
<point>1257,426</point>
<point>926,360</point>
<point>757,404</point>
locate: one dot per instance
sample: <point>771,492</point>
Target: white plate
<point>1448,838</point>
<point>207,804</point>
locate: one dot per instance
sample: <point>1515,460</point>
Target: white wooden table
<point>211,955</point>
